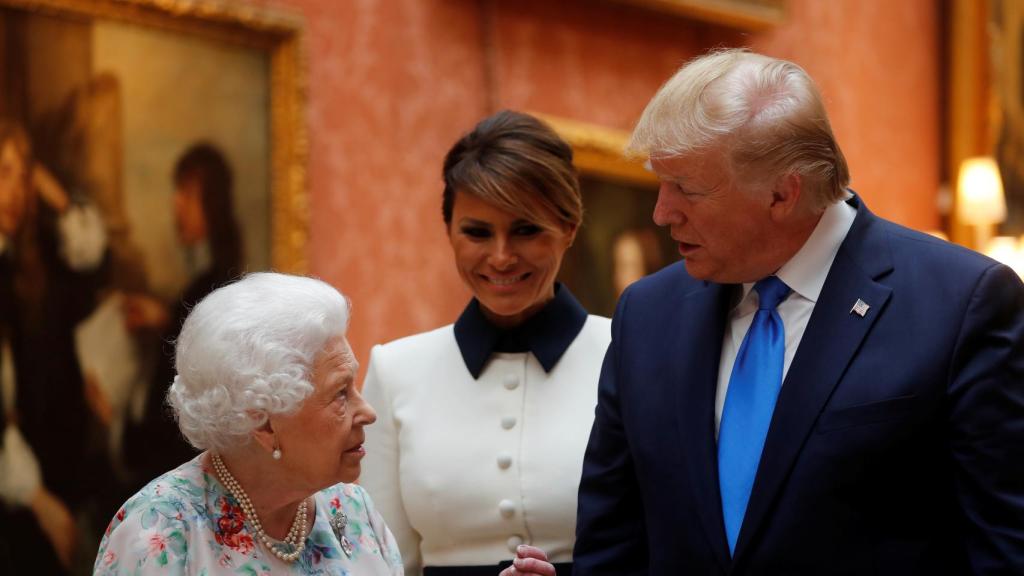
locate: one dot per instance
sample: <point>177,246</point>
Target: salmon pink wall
<point>878,66</point>
<point>876,62</point>
<point>392,83</point>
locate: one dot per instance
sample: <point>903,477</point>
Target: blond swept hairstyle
<point>517,163</point>
<point>766,113</point>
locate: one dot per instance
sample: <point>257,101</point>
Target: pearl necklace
<point>296,538</point>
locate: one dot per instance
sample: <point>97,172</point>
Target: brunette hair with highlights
<point>517,163</point>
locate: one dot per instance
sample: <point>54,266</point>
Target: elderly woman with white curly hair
<point>265,387</point>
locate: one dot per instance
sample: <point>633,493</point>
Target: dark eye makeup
<point>476,231</point>
<point>528,229</point>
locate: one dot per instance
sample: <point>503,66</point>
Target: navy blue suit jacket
<point>897,442</point>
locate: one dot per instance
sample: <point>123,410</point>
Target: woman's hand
<point>529,561</point>
<point>57,524</point>
<point>49,188</point>
<point>96,399</point>
<point>144,312</point>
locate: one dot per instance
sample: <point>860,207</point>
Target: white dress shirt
<point>805,274</point>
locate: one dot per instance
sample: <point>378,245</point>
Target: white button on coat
<point>432,456</point>
<point>508,422</point>
<point>514,542</point>
<point>507,508</point>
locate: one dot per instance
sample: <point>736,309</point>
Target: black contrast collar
<point>547,334</point>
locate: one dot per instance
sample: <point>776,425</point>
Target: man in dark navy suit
<point>814,390</point>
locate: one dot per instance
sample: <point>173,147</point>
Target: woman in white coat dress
<point>483,423</point>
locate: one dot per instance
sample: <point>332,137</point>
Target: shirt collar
<point>806,271</point>
<point>547,334</point>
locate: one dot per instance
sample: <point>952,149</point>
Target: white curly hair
<point>246,351</point>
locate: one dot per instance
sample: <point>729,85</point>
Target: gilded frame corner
<point>600,151</point>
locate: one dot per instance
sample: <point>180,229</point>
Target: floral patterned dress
<point>186,522</point>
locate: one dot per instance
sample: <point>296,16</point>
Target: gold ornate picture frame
<point>599,150</point>
<point>279,35</point>
<point>741,14</point>
<point>150,151</point>
<point>618,242</point>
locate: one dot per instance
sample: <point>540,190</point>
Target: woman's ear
<point>266,437</point>
<point>571,230</point>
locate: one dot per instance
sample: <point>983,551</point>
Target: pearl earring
<point>276,454</point>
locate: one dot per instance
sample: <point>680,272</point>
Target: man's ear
<point>786,196</point>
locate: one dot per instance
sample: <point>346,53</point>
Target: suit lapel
<point>830,341</point>
<point>699,330</point>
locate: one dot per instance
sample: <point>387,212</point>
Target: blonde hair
<point>766,114</point>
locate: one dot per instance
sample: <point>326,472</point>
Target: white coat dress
<point>465,469</point>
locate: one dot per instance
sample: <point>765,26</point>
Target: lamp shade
<point>1008,250</point>
<point>979,192</point>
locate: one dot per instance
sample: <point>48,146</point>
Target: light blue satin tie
<point>749,403</point>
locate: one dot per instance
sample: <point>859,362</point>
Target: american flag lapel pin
<point>860,308</point>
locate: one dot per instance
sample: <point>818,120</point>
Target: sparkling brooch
<point>338,523</point>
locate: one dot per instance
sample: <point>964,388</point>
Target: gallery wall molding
<point>740,14</point>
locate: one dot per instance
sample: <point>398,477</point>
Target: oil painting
<point>617,244</point>
<point>149,152</point>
